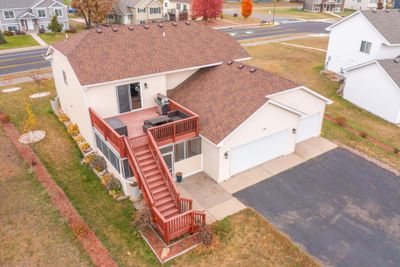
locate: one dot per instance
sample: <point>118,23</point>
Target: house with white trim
<point>135,12</point>
<point>31,15</point>
<point>364,48</point>
<point>160,99</point>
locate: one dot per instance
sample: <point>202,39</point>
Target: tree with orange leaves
<point>247,8</point>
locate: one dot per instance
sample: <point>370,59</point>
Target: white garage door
<point>308,127</point>
<point>254,153</point>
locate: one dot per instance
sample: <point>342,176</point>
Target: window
<point>187,149</point>
<point>65,77</point>
<point>42,27</point>
<point>365,47</point>
<point>337,9</point>
<point>107,151</point>
<point>126,169</point>
<point>155,10</point>
<point>12,28</point>
<point>141,10</point>
<point>9,14</point>
<point>166,4</point>
<point>142,22</point>
<point>58,12</point>
<point>178,6</point>
<point>184,7</point>
<point>317,9</point>
<point>338,1</point>
<point>317,1</point>
<point>41,13</point>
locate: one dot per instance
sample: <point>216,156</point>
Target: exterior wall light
<point>294,131</point>
<point>226,155</point>
<point>145,85</point>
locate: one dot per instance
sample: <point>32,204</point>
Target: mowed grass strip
<point>304,66</point>
<point>32,231</point>
<point>248,238</point>
<point>18,41</point>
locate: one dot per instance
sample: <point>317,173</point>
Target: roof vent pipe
<point>240,66</point>
<point>252,70</point>
<point>130,28</point>
<point>229,62</point>
<point>187,22</point>
<point>146,27</point>
<point>160,25</point>
<point>99,30</point>
<point>114,29</point>
<point>174,24</point>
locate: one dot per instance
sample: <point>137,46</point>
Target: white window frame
<point>317,9</point>
<point>154,9</point>
<point>45,13</point>
<point>43,27</point>
<point>4,14</point>
<point>12,26</point>
<point>178,6</point>
<point>365,47</point>
<point>55,12</point>
<point>65,77</point>
<point>338,9</point>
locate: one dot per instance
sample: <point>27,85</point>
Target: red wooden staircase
<point>172,215</point>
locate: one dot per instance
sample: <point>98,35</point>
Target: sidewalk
<point>23,49</point>
<point>37,39</point>
<point>26,78</point>
<point>280,39</point>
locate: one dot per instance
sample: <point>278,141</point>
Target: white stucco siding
<point>189,166</point>
<point>345,42</point>
<point>174,79</point>
<point>71,95</point>
<point>268,120</point>
<point>103,98</point>
<point>210,153</point>
<point>370,88</point>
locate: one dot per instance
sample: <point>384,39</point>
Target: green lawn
<point>18,41</point>
<point>303,66</point>
<point>51,38</point>
<point>294,13</point>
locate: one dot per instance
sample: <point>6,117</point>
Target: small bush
<point>141,218</point>
<point>106,178</point>
<point>5,118</point>
<point>223,230</point>
<point>363,134</point>
<point>98,163</point>
<point>221,16</point>
<point>63,118</point>
<point>207,236</point>
<point>341,121</point>
<point>18,32</point>
<point>73,129</point>
<point>79,138</point>
<point>114,185</point>
<point>8,33</point>
<point>84,146</point>
<point>89,158</point>
<point>2,39</point>
<point>235,15</point>
<point>71,30</point>
<point>396,150</point>
<point>54,25</point>
<point>42,30</point>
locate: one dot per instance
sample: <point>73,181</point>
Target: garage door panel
<point>259,151</point>
<point>308,127</point>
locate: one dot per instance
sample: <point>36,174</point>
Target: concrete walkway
<point>37,38</point>
<point>26,78</point>
<point>306,150</point>
<point>279,40</point>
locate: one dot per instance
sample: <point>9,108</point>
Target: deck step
<point>164,200</point>
<point>149,167</point>
<point>159,189</point>
<point>154,177</point>
<point>151,173</point>
<point>166,206</point>
<point>146,161</point>
<point>156,183</point>
<point>170,212</point>
<point>162,195</point>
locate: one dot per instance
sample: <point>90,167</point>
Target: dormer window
<point>9,14</point>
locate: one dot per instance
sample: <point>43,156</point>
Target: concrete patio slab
<point>283,163</point>
<point>314,147</point>
<point>246,179</point>
<point>205,190</point>
<point>226,208</point>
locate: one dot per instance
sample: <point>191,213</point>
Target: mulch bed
<point>166,252</point>
<point>93,246</point>
<point>356,132</point>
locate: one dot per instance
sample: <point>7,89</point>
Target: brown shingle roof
<point>108,56</point>
<point>225,96</point>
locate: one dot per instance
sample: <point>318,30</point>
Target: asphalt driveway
<point>341,208</point>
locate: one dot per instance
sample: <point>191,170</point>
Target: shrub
<point>221,16</point>
<point>8,33</point>
<point>71,30</point>
<point>54,25</point>
<point>207,236</point>
<point>2,39</point>
<point>79,138</point>
<point>141,218</point>
<point>114,185</point>
<point>363,134</point>
<point>18,32</point>
<point>5,118</point>
<point>42,30</point>
<point>396,150</point>
<point>73,129</point>
<point>235,15</point>
<point>89,158</point>
<point>223,230</point>
<point>106,178</point>
<point>63,118</point>
<point>341,121</point>
<point>98,163</point>
<point>85,146</point>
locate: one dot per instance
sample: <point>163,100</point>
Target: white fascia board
<point>287,108</point>
<point>327,100</point>
<point>360,65</point>
<point>342,20</point>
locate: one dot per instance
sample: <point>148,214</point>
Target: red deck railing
<point>109,134</point>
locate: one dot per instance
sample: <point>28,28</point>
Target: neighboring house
<point>31,15</point>
<point>177,9</point>
<point>135,12</point>
<point>396,4</point>
<point>362,4</point>
<point>221,117</point>
<point>363,47</point>
<point>375,86</point>
<point>324,5</point>
<point>361,37</point>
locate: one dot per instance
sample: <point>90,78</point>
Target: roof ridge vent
<point>174,24</point>
<point>230,62</point>
<point>252,70</point>
<point>187,22</point>
<point>130,28</point>
<point>240,66</point>
<point>160,25</point>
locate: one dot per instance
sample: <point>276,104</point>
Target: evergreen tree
<point>2,39</point>
<point>54,25</point>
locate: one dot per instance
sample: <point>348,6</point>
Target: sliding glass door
<point>129,97</point>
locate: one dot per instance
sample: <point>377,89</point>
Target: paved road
<point>23,61</point>
<point>343,209</point>
<point>294,27</point>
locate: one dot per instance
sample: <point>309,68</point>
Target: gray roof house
<point>135,12</point>
<point>31,15</point>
